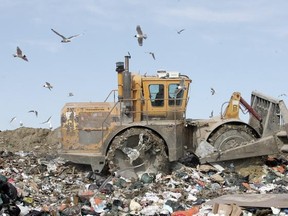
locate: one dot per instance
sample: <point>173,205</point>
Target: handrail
<point>112,91</point>
<point>174,109</point>
<point>108,115</point>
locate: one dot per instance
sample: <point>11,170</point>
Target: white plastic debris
<point>23,209</point>
<point>191,197</point>
<point>167,208</point>
<point>150,210</point>
<point>151,197</point>
<point>22,153</point>
<point>135,206</point>
<point>275,211</point>
<point>171,195</point>
<point>204,149</point>
<point>98,208</point>
<point>267,188</point>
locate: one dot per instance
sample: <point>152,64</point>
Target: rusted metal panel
<point>268,109</point>
<point>84,125</point>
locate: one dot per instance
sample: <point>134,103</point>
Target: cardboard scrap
<point>253,200</point>
<point>226,210</point>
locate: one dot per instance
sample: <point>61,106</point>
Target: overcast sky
<point>228,45</point>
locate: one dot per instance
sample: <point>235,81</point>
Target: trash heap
<point>33,185</point>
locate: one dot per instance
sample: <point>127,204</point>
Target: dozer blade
<point>260,147</point>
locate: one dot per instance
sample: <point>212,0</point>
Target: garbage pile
<point>34,181</point>
<point>33,185</point>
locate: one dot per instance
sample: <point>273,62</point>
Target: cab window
<point>175,96</point>
<point>157,94</point>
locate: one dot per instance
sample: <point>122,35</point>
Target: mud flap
<point>261,147</point>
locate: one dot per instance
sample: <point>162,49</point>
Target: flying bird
<point>282,95</point>
<point>70,94</point>
<point>212,91</point>
<point>211,115</point>
<point>152,54</point>
<point>65,39</point>
<point>34,111</point>
<point>12,119</point>
<point>19,54</point>
<point>180,87</point>
<point>47,121</point>
<point>180,31</point>
<point>140,36</point>
<point>48,85</point>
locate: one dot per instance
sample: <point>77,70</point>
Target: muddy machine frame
<point>145,129</point>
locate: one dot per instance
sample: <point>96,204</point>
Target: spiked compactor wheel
<point>137,151</point>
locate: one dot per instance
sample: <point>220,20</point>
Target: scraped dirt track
<point>39,141</point>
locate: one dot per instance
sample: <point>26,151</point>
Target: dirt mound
<point>37,140</point>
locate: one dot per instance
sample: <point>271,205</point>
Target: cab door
<point>163,100</point>
<point>155,94</point>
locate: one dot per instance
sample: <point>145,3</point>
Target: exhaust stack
<point>127,81</point>
<point>120,69</point>
<point>125,89</point>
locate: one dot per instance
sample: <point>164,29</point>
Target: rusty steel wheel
<point>230,136</point>
<point>137,151</point>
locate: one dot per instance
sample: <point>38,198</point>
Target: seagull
<point>19,54</point>
<point>70,94</point>
<point>48,85</point>
<point>21,124</point>
<point>47,121</point>
<point>12,119</point>
<point>180,87</point>
<point>282,95</point>
<point>140,36</point>
<point>212,91</point>
<point>211,115</point>
<point>65,39</point>
<point>153,55</point>
<point>36,113</point>
<point>179,32</point>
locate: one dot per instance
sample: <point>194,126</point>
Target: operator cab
<point>165,96</point>
<point>157,94</point>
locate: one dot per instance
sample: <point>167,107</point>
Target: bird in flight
<point>180,87</point>
<point>212,91</point>
<point>282,95</point>
<point>12,119</point>
<point>152,54</point>
<point>211,115</point>
<point>70,94</point>
<point>47,121</point>
<point>19,54</point>
<point>34,111</point>
<point>140,36</point>
<point>180,31</point>
<point>65,39</point>
<point>48,85</point>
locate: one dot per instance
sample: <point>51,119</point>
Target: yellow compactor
<point>147,126</point>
